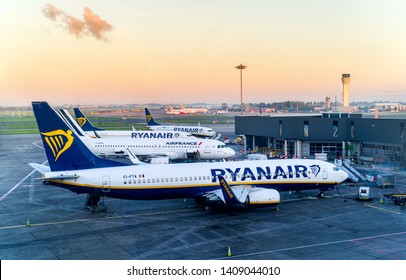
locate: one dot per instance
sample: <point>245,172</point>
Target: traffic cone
<point>229,252</point>
<point>28,223</point>
<point>381,201</point>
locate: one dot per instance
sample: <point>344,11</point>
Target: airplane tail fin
<point>84,123</point>
<point>63,147</point>
<point>150,119</point>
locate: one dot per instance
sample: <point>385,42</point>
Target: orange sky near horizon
<point>185,51</point>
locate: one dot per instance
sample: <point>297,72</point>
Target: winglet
<point>84,122</point>
<point>133,158</point>
<point>150,119</point>
<point>229,195</point>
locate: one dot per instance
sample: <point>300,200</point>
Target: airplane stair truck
<point>353,174</point>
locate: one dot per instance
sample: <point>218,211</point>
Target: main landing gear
<point>94,204</point>
<point>321,194</point>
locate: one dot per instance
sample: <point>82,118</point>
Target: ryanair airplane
<point>147,148</point>
<point>199,131</point>
<point>94,131</point>
<point>244,183</point>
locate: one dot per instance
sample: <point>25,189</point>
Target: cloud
<point>51,12</point>
<point>91,25</point>
<point>95,24</point>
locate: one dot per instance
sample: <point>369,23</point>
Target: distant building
<point>328,103</point>
<point>391,107</point>
<point>338,134</point>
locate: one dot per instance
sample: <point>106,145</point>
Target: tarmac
<point>46,223</point>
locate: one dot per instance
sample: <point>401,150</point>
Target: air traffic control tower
<point>346,87</point>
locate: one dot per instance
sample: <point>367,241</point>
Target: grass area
<point>18,125</point>
<point>26,123</point>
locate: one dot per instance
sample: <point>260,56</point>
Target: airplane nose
<point>344,175</point>
<point>230,152</point>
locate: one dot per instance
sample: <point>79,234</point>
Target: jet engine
<point>259,197</point>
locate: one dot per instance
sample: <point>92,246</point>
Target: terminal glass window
<point>306,129</point>
<point>335,129</point>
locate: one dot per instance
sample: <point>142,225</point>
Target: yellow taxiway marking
<point>386,210</point>
<point>95,219</point>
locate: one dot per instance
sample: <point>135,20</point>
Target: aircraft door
<point>105,183</point>
<point>207,149</point>
<point>324,172</point>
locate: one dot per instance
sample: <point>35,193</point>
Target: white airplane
<point>199,131</point>
<point>193,110</point>
<point>172,111</point>
<point>148,148</point>
<point>250,183</point>
<point>184,111</point>
<point>94,131</point>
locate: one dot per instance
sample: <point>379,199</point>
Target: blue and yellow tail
<point>150,119</point>
<point>63,147</point>
<point>84,123</point>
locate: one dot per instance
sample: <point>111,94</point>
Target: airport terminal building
<point>337,134</point>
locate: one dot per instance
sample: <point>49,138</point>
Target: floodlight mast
<point>241,67</point>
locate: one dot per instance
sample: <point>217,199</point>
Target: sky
<point>185,51</point>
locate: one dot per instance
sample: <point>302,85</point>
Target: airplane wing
<point>133,158</point>
<point>159,154</point>
<point>242,195</point>
<point>229,195</point>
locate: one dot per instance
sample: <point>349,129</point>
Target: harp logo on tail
<point>149,117</point>
<point>58,141</point>
<point>81,121</point>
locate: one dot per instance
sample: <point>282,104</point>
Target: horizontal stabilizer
<point>40,168</point>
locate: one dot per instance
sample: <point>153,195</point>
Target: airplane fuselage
<point>194,130</point>
<point>179,148</point>
<point>194,179</point>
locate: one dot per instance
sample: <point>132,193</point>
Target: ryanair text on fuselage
<point>154,135</point>
<point>188,129</point>
<point>295,171</point>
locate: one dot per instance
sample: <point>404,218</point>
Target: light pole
<point>241,67</point>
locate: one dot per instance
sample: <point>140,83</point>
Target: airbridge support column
<point>285,148</point>
<point>298,149</point>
